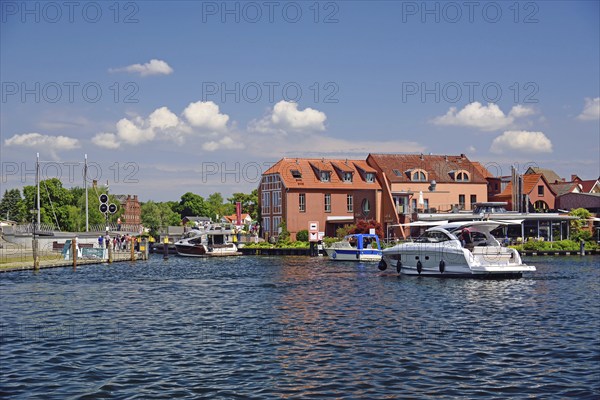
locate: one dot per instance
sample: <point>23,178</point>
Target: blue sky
<point>170,97</point>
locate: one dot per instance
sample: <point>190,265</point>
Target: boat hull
<point>191,251</point>
<point>354,255</point>
<point>453,261</point>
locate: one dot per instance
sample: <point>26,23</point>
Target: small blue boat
<point>356,247</point>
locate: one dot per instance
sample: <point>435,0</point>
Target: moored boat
<point>442,252</point>
<point>213,241</point>
<point>356,247</point>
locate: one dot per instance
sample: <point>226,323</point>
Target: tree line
<point>65,207</point>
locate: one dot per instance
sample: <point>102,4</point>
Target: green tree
<point>578,231</point>
<point>249,202</point>
<point>215,206</point>
<point>158,215</point>
<point>54,202</point>
<point>11,205</point>
<point>192,204</point>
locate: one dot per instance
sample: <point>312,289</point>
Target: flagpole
<point>87,215</point>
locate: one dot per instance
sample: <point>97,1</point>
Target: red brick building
<point>132,210</point>
<point>539,192</point>
<point>332,192</point>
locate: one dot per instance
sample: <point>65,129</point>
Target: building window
<point>413,205</point>
<point>473,200</point>
<point>325,176</point>
<point>540,190</point>
<point>370,177</point>
<point>277,202</point>
<point>426,204</point>
<point>366,206</point>
<point>462,177</point>
<point>296,174</point>
<point>276,224</point>
<point>397,172</point>
<point>350,203</point>
<point>461,201</point>
<point>302,202</point>
<point>541,206</point>
<point>419,176</point>
<point>347,176</point>
<point>327,202</point>
<point>266,203</point>
<point>267,225</point>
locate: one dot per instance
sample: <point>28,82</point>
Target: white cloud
<point>591,110</point>
<point>49,143</point>
<point>485,118</point>
<point>203,120</point>
<point>153,67</point>
<point>205,115</point>
<point>285,117</point>
<point>106,140</point>
<point>225,143</point>
<point>521,142</point>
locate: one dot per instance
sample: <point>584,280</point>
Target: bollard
<point>74,252</point>
<point>582,247</point>
<point>36,257</point>
<point>132,248</point>
<point>166,248</point>
<point>110,253</point>
<point>144,249</point>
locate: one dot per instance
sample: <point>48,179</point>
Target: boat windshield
<point>433,237</point>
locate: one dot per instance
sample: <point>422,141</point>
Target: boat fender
<point>357,254</point>
<point>399,266</point>
<point>334,255</point>
<point>442,266</point>
<point>419,267</point>
<point>382,265</point>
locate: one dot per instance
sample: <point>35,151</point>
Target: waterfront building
<point>413,183</point>
<point>333,192</point>
<point>132,210</point>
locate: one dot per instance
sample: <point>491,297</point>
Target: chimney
<point>135,197</point>
<point>573,177</point>
<point>462,155</point>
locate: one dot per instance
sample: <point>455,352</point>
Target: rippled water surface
<point>273,327</point>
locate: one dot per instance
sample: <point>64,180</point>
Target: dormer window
<point>325,176</point>
<point>296,174</point>
<point>347,177</point>
<point>462,177</point>
<point>418,176</point>
<point>370,177</point>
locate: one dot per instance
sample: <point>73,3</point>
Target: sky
<point>171,97</point>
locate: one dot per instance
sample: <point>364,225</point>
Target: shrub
<point>302,236</point>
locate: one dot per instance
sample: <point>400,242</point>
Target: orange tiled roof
<point>530,182</point>
<point>482,170</point>
<point>397,167</point>
<point>310,180</point>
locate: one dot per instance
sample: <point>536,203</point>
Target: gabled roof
<point>588,185</point>
<point>438,167</point>
<point>233,217</point>
<point>482,170</point>
<point>551,176</point>
<point>530,182</point>
<point>566,187</point>
<point>308,168</point>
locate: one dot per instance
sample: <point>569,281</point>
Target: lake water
<point>273,327</point>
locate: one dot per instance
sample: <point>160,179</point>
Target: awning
<point>341,218</point>
<point>422,223</point>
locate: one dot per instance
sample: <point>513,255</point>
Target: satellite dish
<point>112,208</point>
<point>103,207</point>
<point>103,198</point>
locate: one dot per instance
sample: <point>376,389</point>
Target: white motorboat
<point>213,241</point>
<point>440,252</point>
<point>356,247</point>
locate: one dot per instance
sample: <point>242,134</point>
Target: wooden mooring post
<point>74,252</point>
<point>36,256</point>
